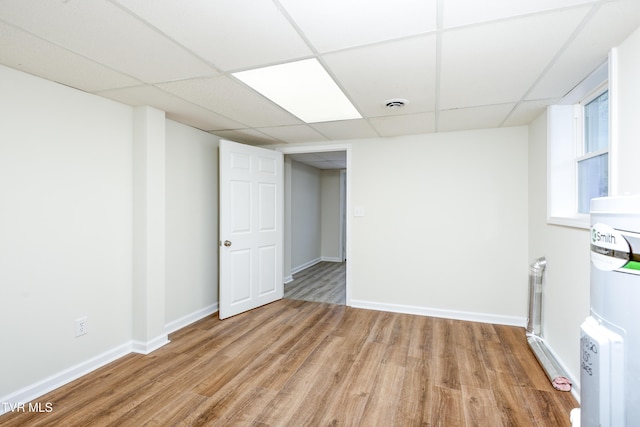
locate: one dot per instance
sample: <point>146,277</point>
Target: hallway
<point>322,282</point>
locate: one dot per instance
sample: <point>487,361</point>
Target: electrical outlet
<point>81,326</point>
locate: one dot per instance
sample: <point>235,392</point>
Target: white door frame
<point>343,215</point>
<point>293,149</point>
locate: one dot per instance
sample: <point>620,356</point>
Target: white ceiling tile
<point>106,34</point>
<point>340,156</point>
<point>231,99</point>
<point>345,129</point>
<point>401,69</point>
<point>293,134</point>
<point>165,53</point>
<point>338,24</point>
<point>610,25</point>
<point>488,116</point>
<point>200,118</point>
<point>175,108</point>
<point>231,34</point>
<point>411,124</point>
<point>498,63</point>
<point>465,12</point>
<point>305,157</point>
<point>322,160</point>
<point>25,52</point>
<point>247,136</point>
<point>326,165</point>
<point>526,112</point>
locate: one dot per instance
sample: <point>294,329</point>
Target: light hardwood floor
<point>298,363</point>
<point>322,282</point>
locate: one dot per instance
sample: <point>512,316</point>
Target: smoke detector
<point>394,104</point>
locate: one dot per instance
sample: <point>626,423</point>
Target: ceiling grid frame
<point>49,39</point>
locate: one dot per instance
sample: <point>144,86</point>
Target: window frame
<point>566,146</point>
<point>581,142</point>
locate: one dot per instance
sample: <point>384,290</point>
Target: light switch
<point>358,211</point>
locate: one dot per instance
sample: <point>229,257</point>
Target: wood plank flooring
<point>322,282</point>
<point>298,363</point>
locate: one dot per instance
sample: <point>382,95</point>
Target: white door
<point>251,227</point>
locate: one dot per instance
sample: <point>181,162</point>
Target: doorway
<point>322,282</point>
<point>314,277</point>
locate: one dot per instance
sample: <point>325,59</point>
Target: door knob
<point>227,243</point>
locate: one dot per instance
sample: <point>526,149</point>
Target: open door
<point>251,227</point>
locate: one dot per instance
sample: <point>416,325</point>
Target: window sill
<point>577,221</point>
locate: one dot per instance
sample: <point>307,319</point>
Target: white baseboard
<point>575,381</point>
<point>330,259</point>
<point>33,391</point>
<point>498,319</point>
<point>149,346</point>
<point>190,318</point>
<point>447,314</point>
<point>306,265</point>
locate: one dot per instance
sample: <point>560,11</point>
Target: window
<point>578,151</point>
<point>593,163</point>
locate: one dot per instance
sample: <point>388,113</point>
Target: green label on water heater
<point>633,265</point>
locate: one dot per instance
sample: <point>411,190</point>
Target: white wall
<point>445,224</point>
<point>330,215</point>
<point>312,216</point>
<point>627,147</point>
<point>566,302</point>
<point>65,227</point>
<point>149,229</point>
<point>566,249</point>
<point>192,221</point>
<point>288,240</point>
<point>305,215</point>
<point>66,230</point>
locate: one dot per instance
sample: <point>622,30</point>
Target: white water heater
<point>610,336</point>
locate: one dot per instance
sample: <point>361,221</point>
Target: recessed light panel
<point>303,88</point>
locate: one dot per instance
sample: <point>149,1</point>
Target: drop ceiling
<point>461,64</point>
